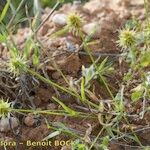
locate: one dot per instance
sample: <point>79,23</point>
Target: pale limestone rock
<point>60,19</point>
<point>29,120</point>
<point>94,6</point>
<point>5,125</point>
<point>92,29</point>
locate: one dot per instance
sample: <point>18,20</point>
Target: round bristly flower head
<point>75,23</point>
<point>17,65</point>
<point>4,108</point>
<point>127,38</point>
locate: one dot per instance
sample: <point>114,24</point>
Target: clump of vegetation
<point>135,43</point>
<point>4,108</point>
<point>127,38</point>
<point>17,64</point>
<point>74,25</point>
<point>110,114</point>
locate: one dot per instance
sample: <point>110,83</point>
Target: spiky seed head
<point>17,65</point>
<point>127,38</point>
<point>4,108</point>
<point>74,23</point>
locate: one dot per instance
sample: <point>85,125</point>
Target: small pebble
<point>77,2</point>
<point>56,75</point>
<point>92,28</point>
<point>51,106</point>
<point>5,125</point>
<point>70,46</point>
<point>60,19</point>
<point>93,6</point>
<point>30,120</point>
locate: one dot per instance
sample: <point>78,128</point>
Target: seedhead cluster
<point>127,38</point>
<point>75,23</point>
<point>4,108</point>
<point>17,65</point>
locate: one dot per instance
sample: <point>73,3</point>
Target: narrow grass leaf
<point>66,108</point>
<point>3,38</point>
<point>59,33</point>
<point>102,65</point>
<point>52,135</point>
<point>83,90</point>
<point>136,95</point>
<point>4,11</point>
<point>36,56</point>
<point>28,47</point>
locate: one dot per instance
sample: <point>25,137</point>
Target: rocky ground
<point>108,16</point>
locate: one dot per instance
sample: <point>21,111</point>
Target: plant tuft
<point>4,108</point>
<point>17,65</point>
<point>127,38</point>
<point>75,23</point>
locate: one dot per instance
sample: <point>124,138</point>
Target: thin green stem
<point>38,112</point>
<point>136,138</point>
<point>101,77</point>
<point>96,138</point>
<point>13,17</point>
<point>48,112</point>
<point>59,87</point>
<point>51,12</point>
<point>53,84</point>
<point>146,9</point>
